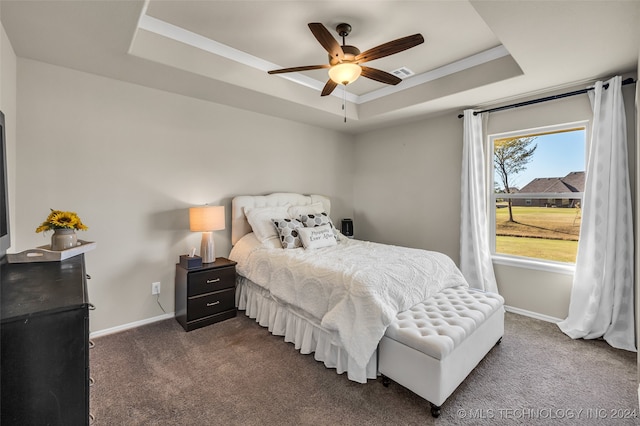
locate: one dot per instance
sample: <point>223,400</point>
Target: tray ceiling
<point>475,52</point>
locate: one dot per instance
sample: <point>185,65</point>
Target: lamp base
<point>207,249</point>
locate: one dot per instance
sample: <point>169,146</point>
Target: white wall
<point>407,191</point>
<point>130,160</point>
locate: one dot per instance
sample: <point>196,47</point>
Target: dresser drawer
<point>210,304</point>
<point>211,280</point>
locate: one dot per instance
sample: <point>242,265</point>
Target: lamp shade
<point>345,73</point>
<point>206,218</point>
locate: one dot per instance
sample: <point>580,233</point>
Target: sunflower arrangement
<point>58,219</point>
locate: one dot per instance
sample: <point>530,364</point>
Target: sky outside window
<point>557,155</point>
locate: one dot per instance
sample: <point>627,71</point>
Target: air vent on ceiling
<point>402,72</point>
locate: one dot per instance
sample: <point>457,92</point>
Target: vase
<point>63,239</point>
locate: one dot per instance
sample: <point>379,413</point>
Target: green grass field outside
<point>539,232</point>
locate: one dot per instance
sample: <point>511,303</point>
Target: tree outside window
<point>538,182</point>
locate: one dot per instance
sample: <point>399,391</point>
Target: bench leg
<point>435,410</point>
<point>499,341</point>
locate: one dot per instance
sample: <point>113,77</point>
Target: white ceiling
<point>475,53</point>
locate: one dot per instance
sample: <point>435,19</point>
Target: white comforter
<point>355,288</point>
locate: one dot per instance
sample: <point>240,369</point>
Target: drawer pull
<point>92,307</point>
<point>92,344</point>
<point>214,303</point>
<point>213,281</point>
<point>91,381</point>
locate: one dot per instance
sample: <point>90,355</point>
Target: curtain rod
<point>548,98</point>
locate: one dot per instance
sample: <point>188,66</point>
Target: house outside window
<point>538,179</point>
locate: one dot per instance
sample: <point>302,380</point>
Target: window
<point>538,180</point>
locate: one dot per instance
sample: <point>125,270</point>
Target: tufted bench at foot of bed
<point>431,348</point>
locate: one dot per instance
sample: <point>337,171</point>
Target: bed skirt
<point>305,333</point>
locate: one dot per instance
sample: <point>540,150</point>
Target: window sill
<point>540,265</point>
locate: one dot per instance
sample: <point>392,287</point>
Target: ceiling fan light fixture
<point>345,73</point>
<point>344,61</point>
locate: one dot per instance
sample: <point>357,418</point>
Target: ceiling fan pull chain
<point>344,101</point>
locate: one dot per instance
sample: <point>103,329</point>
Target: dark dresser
<point>44,343</point>
<point>205,295</point>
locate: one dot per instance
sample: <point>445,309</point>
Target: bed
<point>334,299</point>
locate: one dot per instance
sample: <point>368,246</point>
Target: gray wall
<point>8,104</point>
<point>407,191</point>
<point>637,222</point>
<point>407,185</point>
<point>536,291</point>
<point>130,161</point>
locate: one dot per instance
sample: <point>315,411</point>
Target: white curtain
<point>602,294</point>
<point>475,252</point>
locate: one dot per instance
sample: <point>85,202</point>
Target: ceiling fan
<point>344,61</point>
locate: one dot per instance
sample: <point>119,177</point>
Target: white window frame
<point>520,261</point>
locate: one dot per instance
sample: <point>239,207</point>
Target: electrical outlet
<point>155,288</point>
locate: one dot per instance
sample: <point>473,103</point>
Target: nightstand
<point>205,295</point>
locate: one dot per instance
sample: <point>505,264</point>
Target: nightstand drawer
<point>210,304</point>
<point>211,280</point>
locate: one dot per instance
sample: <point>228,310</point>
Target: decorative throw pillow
<point>309,220</point>
<point>260,220</point>
<point>317,237</point>
<point>288,232</point>
<point>318,219</point>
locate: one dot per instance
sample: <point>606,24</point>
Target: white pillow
<point>317,237</point>
<point>248,242</point>
<point>260,220</point>
<point>297,211</point>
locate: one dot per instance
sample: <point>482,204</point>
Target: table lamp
<point>206,219</point>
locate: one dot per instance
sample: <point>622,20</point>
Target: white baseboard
<point>162,317</point>
<point>130,325</point>
<point>531,314</point>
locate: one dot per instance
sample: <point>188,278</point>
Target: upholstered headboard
<point>239,224</point>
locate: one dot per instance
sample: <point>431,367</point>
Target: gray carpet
<point>236,373</point>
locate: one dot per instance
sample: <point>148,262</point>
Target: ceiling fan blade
<point>322,34</point>
<point>381,76</point>
<point>328,88</point>
<point>390,48</point>
<point>296,69</point>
